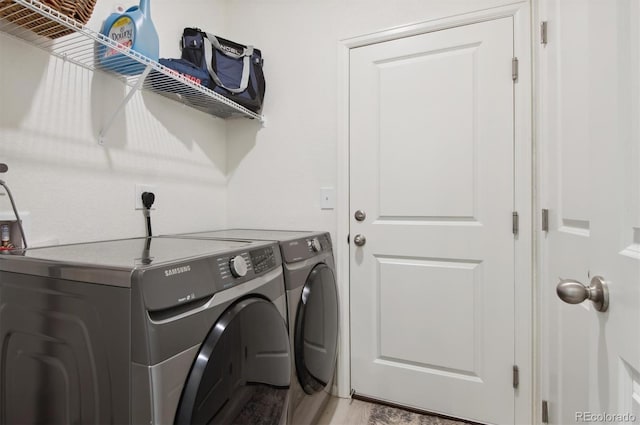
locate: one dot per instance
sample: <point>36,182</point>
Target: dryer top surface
<point>256,234</point>
<point>295,245</point>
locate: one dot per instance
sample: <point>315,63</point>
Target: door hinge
<point>516,377</point>
<point>545,220</point>
<point>348,238</point>
<point>545,412</point>
<point>515,223</point>
<point>514,69</point>
<point>543,32</point>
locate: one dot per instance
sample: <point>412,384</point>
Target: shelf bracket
<point>102,136</point>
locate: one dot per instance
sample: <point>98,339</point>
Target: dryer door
<point>316,330</point>
<point>242,373</point>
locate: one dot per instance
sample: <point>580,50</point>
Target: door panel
<point>410,161</point>
<point>590,144</point>
<point>456,302</point>
<point>431,164</point>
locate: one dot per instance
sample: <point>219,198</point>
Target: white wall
<point>76,190</point>
<point>275,175</point>
<point>51,112</point>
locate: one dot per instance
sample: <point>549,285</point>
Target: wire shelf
<point>62,36</point>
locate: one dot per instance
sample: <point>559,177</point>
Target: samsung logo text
<point>177,270</point>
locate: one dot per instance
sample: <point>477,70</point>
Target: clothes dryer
<point>144,330</point>
<point>312,299</point>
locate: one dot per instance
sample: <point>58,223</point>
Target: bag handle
<point>212,42</point>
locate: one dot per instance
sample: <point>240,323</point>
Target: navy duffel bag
<point>188,70</point>
<point>235,69</point>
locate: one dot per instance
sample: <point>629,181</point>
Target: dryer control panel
<point>304,248</point>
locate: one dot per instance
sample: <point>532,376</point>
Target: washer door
<point>316,330</point>
<point>243,370</point>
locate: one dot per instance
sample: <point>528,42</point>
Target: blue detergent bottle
<point>133,29</point>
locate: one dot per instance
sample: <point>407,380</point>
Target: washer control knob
<point>315,245</point>
<point>238,266</point>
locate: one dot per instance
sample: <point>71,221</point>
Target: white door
<point>589,134</point>
<point>431,166</point>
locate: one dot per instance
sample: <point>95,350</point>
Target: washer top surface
<point>113,262</point>
<point>133,253</point>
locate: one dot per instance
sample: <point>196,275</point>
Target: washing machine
<point>144,331</point>
<point>312,298</point>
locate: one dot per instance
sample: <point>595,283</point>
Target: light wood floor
<point>343,411</point>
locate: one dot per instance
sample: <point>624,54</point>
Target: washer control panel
<point>167,286</point>
<point>240,267</point>
<point>263,259</point>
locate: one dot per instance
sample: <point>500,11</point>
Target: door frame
<point>525,345</point>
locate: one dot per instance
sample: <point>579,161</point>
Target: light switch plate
<point>327,198</point>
